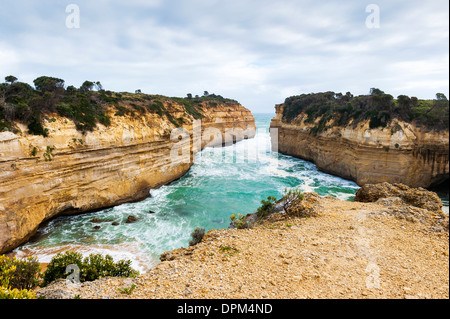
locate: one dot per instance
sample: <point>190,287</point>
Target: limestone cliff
<point>71,172</point>
<point>401,152</point>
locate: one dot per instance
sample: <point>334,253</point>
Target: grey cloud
<point>256,51</point>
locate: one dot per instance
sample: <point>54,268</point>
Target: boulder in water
<point>131,219</point>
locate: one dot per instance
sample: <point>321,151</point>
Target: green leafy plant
<point>48,155</point>
<point>91,268</point>
<point>8,293</point>
<point>127,291</point>
<point>34,151</point>
<point>228,250</point>
<point>290,197</point>
<point>18,277</point>
<point>239,221</point>
<point>267,207</point>
<point>35,126</point>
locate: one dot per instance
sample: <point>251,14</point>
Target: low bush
<point>267,207</point>
<point>239,221</point>
<point>18,277</point>
<point>91,268</point>
<point>290,198</point>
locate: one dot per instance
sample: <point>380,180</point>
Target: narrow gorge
<point>71,171</point>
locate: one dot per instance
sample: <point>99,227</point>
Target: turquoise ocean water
<point>222,181</point>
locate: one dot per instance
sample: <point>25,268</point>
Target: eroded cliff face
<point>400,153</point>
<point>70,172</point>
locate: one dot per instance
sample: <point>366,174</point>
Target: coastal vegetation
<point>90,268</point>
<point>379,108</point>
<point>290,204</point>
<point>20,277</point>
<point>87,105</point>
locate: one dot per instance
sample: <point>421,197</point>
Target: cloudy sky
<point>255,51</point>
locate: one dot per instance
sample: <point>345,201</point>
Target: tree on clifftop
<point>11,79</point>
<point>48,84</point>
<point>87,86</point>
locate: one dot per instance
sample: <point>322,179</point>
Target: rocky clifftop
<point>71,171</point>
<point>381,249</point>
<point>399,152</point>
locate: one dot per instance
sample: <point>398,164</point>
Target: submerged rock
<point>131,219</point>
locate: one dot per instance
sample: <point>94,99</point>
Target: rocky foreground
<point>392,248</point>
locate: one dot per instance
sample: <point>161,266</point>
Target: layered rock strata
<point>70,172</point>
<point>399,153</point>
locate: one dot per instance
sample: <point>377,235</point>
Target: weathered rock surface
<point>348,250</point>
<point>69,173</point>
<point>400,153</point>
<point>403,202</point>
<point>417,197</point>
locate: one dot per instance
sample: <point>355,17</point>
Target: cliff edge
<point>387,249</point>
<point>367,139</point>
<point>142,143</point>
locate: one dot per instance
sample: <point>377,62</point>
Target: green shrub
<point>267,207</point>
<point>18,277</point>
<point>239,221</point>
<point>48,154</point>
<point>290,198</point>
<point>104,119</point>
<point>35,127</point>
<point>56,269</point>
<point>34,151</point>
<point>91,268</point>
<point>65,110</point>
<point>229,250</point>
<point>8,293</point>
<point>378,107</point>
